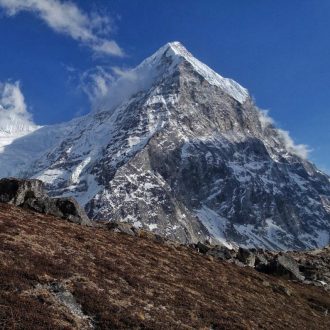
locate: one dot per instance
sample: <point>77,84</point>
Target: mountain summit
<point>184,152</point>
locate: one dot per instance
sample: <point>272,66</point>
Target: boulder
<point>222,252</point>
<point>202,247</point>
<point>261,262</point>
<point>69,209</point>
<point>283,265</point>
<point>17,191</point>
<point>31,194</point>
<point>121,227</point>
<point>246,256</point>
<point>66,208</point>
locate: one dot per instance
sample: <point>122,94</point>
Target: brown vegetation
<point>119,281</point>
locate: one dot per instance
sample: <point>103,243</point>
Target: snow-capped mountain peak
<point>228,85</point>
<point>182,151</point>
<point>163,63</point>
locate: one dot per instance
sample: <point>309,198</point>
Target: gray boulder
<point>17,191</point>
<point>283,265</point>
<point>222,252</point>
<point>31,194</point>
<point>121,227</point>
<point>65,208</point>
<point>246,256</point>
<point>202,247</point>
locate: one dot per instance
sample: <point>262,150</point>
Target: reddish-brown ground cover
<point>125,282</point>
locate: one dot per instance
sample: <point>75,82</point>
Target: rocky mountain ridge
<point>182,151</point>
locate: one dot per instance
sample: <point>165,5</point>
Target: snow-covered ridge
<point>12,131</point>
<point>154,69</point>
<point>229,86</point>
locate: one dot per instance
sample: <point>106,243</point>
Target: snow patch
<point>215,224</point>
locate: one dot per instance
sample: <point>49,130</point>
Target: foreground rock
<point>59,275</point>
<point>17,191</point>
<point>309,267</point>
<point>30,194</point>
<point>282,265</point>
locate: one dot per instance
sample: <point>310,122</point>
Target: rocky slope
<point>59,275</point>
<point>184,152</point>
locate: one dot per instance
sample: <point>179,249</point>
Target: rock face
<point>309,267</point>
<point>185,153</point>
<point>16,191</point>
<point>30,194</point>
<point>283,265</point>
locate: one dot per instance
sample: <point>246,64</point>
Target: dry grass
<point>124,282</point>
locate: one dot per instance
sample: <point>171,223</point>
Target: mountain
<point>12,129</point>
<point>182,151</point>
<point>59,275</point>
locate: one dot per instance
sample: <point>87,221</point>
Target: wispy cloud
<point>108,87</point>
<point>96,83</point>
<point>66,18</point>
<point>300,150</point>
<point>14,116</point>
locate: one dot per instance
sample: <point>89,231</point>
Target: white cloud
<point>108,87</point>
<point>66,18</point>
<point>14,116</point>
<point>125,73</point>
<point>96,83</point>
<point>300,150</point>
<point>265,119</point>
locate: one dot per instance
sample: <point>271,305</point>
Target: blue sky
<point>279,50</point>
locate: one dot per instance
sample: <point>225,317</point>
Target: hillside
<point>61,275</point>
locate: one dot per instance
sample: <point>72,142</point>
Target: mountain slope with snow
<point>182,151</point>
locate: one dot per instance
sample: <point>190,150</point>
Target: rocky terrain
<point>177,149</point>
<point>56,274</point>
<point>30,194</point>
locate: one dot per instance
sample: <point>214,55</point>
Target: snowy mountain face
<point>12,129</point>
<point>183,152</point>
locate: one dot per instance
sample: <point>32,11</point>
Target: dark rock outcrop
<point>310,267</point>
<point>246,256</point>
<point>283,265</point>
<point>31,194</point>
<point>17,191</point>
<point>121,227</point>
<point>222,252</point>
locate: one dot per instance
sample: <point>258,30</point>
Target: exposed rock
<point>64,298</point>
<point>17,191</point>
<point>261,261</point>
<point>222,252</point>
<point>283,265</point>
<point>246,256</point>
<point>121,227</point>
<point>66,208</point>
<point>128,229</point>
<point>202,247</point>
<point>310,267</point>
<point>30,194</point>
